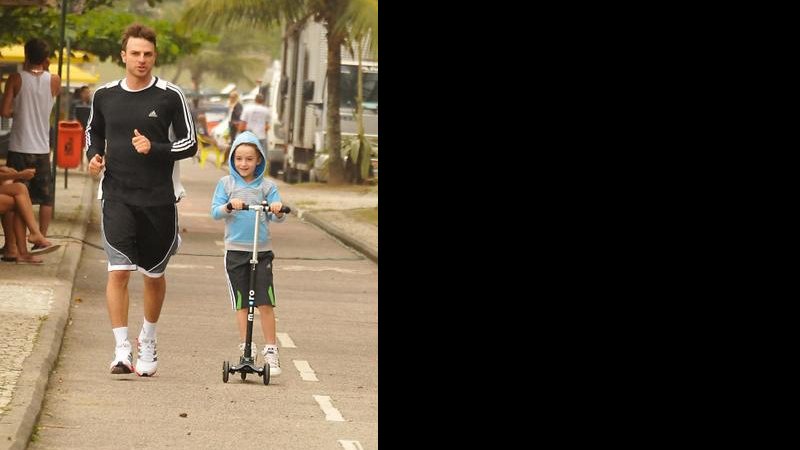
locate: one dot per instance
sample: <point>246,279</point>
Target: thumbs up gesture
<point>140,142</point>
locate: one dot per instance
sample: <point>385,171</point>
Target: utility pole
<point>58,99</point>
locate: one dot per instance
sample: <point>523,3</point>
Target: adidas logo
<point>152,114</point>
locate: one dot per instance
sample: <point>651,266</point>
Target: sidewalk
<point>329,208</point>
<point>34,308</point>
<point>34,300</point>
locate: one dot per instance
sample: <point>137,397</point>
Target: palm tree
<point>360,36</point>
<point>340,17</point>
<point>230,58</point>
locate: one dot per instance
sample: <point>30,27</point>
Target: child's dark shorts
<point>237,267</point>
<point>40,186</point>
<point>139,237</point>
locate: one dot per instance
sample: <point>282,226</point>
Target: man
<point>79,109</point>
<point>139,128</point>
<point>234,114</point>
<point>81,105</point>
<point>28,99</point>
<point>256,118</point>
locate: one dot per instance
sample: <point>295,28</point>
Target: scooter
<point>247,363</point>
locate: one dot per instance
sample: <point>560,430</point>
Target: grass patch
<point>368,215</point>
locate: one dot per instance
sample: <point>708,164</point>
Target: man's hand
<point>140,142</point>
<point>96,164</point>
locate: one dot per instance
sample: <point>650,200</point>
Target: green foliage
<point>356,147</point>
<point>362,21</point>
<point>233,57</point>
<point>23,23</point>
<point>244,14</point>
<point>98,30</point>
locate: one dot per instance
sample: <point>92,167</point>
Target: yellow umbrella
<point>16,54</point>
<point>76,75</point>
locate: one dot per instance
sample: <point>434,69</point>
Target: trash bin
<point>70,144</point>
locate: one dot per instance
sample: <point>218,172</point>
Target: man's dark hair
<point>138,30</point>
<point>36,51</point>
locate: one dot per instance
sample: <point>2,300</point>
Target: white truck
<point>299,112</point>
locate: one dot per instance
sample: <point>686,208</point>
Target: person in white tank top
<point>28,99</point>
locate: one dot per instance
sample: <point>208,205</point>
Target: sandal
<point>8,259</point>
<point>38,249</point>
<point>29,261</point>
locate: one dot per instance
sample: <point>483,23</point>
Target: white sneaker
<point>271,357</point>
<point>122,359</point>
<point>253,351</point>
<point>147,358</point>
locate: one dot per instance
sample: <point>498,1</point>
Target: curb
<point>337,232</point>
<point>37,367</point>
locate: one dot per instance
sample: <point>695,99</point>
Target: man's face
<point>139,57</point>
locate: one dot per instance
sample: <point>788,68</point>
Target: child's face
<point>245,159</point>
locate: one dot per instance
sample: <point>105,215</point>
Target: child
<point>246,185</point>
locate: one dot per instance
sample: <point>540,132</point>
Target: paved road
<point>327,324</point>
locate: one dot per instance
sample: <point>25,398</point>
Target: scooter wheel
<point>225,371</point>
<point>244,375</point>
<point>266,374</point>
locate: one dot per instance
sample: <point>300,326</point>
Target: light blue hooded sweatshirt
<point>239,224</point>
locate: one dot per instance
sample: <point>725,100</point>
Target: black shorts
<point>41,185</point>
<point>139,237</point>
<point>237,266</point>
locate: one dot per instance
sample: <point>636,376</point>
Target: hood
<point>247,137</point>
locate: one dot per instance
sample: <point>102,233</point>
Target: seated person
<point>17,212</point>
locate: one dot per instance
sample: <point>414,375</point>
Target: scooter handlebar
<point>262,207</point>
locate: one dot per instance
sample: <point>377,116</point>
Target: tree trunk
<point>333,132</point>
<point>359,178</point>
<point>178,73</point>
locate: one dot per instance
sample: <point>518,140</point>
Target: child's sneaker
<point>271,357</point>
<point>147,358</point>
<point>253,352</point>
<point>122,359</point>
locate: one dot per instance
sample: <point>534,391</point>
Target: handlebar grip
<point>284,209</point>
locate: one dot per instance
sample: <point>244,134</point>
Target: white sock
<point>148,330</point>
<point>120,334</point>
<point>272,346</point>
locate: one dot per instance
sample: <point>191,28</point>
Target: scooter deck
<point>247,367</point>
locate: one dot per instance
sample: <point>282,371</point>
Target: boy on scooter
<point>246,185</point>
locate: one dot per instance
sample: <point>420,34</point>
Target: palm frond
<point>360,20</point>
<point>246,14</point>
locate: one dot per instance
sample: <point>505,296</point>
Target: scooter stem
<point>251,291</point>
